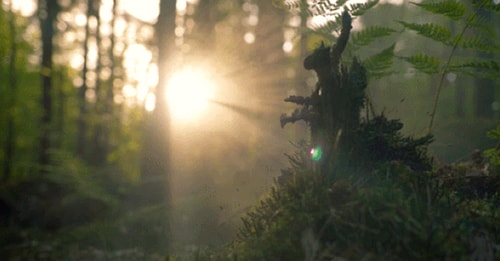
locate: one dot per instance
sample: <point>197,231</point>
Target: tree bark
<point>47,13</point>
<point>101,130</point>
<point>484,91</point>
<point>11,134</point>
<point>155,152</point>
<point>155,158</point>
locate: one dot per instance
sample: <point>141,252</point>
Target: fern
<point>332,25</point>
<point>290,4</point>
<point>481,23</point>
<point>340,3</point>
<point>488,5</point>
<point>442,35</point>
<point>370,34</point>
<point>424,63</point>
<point>478,65</point>
<point>360,8</point>
<point>379,64</point>
<point>478,42</point>
<point>429,30</point>
<point>450,8</point>
<point>478,68</point>
<point>324,8</point>
<point>476,33</point>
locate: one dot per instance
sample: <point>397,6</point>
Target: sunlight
<point>146,10</point>
<point>188,93</point>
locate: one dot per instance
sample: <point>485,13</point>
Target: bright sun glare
<point>188,93</point>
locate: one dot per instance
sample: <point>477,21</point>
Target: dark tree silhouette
<point>155,158</point>
<point>11,135</point>
<point>47,13</point>
<point>484,91</point>
<point>92,11</point>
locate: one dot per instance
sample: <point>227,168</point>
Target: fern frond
<point>478,42</point>
<point>370,34</point>
<point>324,7</point>
<point>489,5</point>
<point>291,5</point>
<point>429,30</point>
<point>288,4</point>
<point>481,23</point>
<point>450,8</point>
<point>478,65</point>
<point>479,74</point>
<point>377,65</point>
<point>424,63</point>
<point>340,3</point>
<point>334,24</point>
<point>361,8</point>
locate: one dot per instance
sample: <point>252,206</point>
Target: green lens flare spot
<point>316,153</point>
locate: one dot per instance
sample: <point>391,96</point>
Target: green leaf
<point>477,65</point>
<point>361,8</point>
<point>481,23</point>
<point>370,34</point>
<point>332,25</point>
<point>494,134</point>
<point>488,69</point>
<point>478,42</point>
<point>429,30</point>
<point>323,7</point>
<point>450,8</point>
<point>489,5</point>
<point>424,63</point>
<point>340,3</point>
<point>378,64</point>
<point>291,5</point>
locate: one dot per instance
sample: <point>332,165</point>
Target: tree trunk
<point>460,99</point>
<point>47,12</point>
<point>484,89</point>
<point>206,14</point>
<point>155,152</point>
<point>155,158</point>
<point>11,135</point>
<point>100,135</point>
<point>484,95</point>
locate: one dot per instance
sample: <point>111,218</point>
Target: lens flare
<point>316,153</point>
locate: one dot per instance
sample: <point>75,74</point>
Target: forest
<point>250,130</point>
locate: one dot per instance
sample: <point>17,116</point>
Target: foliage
<point>384,203</point>
<point>369,35</point>
<point>494,153</point>
<point>380,64</point>
<point>362,38</point>
<point>392,214</point>
<point>450,8</point>
<point>380,140</point>
<point>474,34</point>
<point>472,21</point>
<point>76,211</point>
<point>389,209</point>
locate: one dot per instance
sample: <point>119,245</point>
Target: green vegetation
<point>379,197</point>
<point>86,168</point>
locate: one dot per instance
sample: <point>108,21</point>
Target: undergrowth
<point>389,213</point>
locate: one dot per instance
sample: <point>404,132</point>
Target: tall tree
<point>484,91</point>
<point>155,158</point>
<point>100,137</point>
<point>47,13</point>
<point>205,21</point>
<point>92,11</point>
<point>11,138</point>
